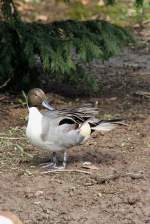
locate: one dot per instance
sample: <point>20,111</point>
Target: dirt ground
<point>115,189</point>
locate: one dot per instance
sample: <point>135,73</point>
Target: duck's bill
<point>47,106</point>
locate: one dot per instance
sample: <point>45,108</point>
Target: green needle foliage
<point>139,3</point>
<point>63,48</point>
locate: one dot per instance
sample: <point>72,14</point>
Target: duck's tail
<point>106,125</point>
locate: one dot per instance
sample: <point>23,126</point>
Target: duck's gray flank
<point>60,131</point>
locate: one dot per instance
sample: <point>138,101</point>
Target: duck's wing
<point>63,131</point>
<point>76,118</point>
<point>67,116</point>
<point>81,113</point>
<point>86,110</point>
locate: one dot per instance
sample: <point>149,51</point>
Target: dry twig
<point>66,171</point>
<point>104,179</point>
<point>6,82</point>
<point>100,179</point>
<point>11,138</point>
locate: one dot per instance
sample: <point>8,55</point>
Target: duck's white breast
<point>4,220</point>
<point>34,126</point>
<point>34,130</point>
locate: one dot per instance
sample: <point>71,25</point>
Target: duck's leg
<point>55,167</point>
<point>54,158</point>
<point>65,160</point>
<point>51,165</point>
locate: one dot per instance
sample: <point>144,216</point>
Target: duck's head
<point>36,98</point>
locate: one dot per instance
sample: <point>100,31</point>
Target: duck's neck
<point>35,119</point>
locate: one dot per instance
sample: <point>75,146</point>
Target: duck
<point>59,130</point>
<point>7,217</point>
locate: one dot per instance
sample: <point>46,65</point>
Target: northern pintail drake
<point>7,217</point>
<point>59,130</point>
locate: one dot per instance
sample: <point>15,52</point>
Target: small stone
<point>132,199</point>
<point>99,194</point>
<point>36,202</point>
<point>38,193</point>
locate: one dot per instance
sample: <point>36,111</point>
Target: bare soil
<point>116,187</point>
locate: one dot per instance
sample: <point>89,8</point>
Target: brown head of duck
<point>37,98</point>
